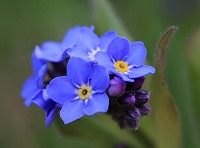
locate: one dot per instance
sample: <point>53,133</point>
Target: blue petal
<point>122,75</point>
<point>70,38</point>
<point>100,79</point>
<point>61,89</point>
<point>106,38</point>
<point>51,114</point>
<point>36,63</point>
<point>87,39</point>
<point>72,110</point>
<point>39,101</point>
<point>79,70</point>
<point>103,59</point>
<point>137,54</point>
<point>91,28</point>
<point>78,52</point>
<point>118,48</point>
<point>126,78</point>
<point>98,103</point>
<point>49,105</point>
<point>30,90</point>
<point>41,76</point>
<point>28,102</point>
<point>141,71</point>
<point>44,94</point>
<point>51,51</point>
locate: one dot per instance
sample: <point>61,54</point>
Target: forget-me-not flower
<point>57,51</point>
<point>124,59</point>
<point>82,91</point>
<point>34,91</point>
<point>87,43</point>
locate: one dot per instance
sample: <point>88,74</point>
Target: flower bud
<point>133,123</point>
<point>142,97</point>
<point>137,84</point>
<point>128,99</point>
<point>133,118</point>
<point>144,109</point>
<point>117,87</point>
<point>134,113</point>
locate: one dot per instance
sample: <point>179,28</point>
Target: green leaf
<point>162,48</point>
<point>166,123</point>
<point>181,81</point>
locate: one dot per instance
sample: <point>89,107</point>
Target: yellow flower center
<point>84,92</point>
<point>121,66</point>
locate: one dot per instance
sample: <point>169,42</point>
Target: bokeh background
<point>26,23</point>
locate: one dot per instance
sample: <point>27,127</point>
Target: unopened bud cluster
<point>129,107</point>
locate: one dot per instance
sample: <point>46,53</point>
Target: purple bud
<point>128,99</point>
<point>133,123</point>
<point>117,87</point>
<point>137,84</point>
<point>133,113</point>
<point>142,97</point>
<point>144,109</point>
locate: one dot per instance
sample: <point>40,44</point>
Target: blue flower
<point>51,51</point>
<point>33,90</point>
<point>87,43</point>
<point>57,51</point>
<point>33,87</point>
<point>82,91</point>
<point>124,59</point>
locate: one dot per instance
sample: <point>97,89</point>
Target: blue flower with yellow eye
<point>82,91</point>
<point>124,59</point>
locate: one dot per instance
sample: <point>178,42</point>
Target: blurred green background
<point>24,24</point>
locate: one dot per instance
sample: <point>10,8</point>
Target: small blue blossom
<point>51,51</point>
<point>125,59</point>
<point>82,91</point>
<point>57,51</point>
<point>87,43</point>
<point>34,92</point>
<point>33,88</point>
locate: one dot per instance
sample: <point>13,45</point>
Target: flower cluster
<point>85,74</point>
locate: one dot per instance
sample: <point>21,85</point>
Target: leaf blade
<point>165,116</point>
